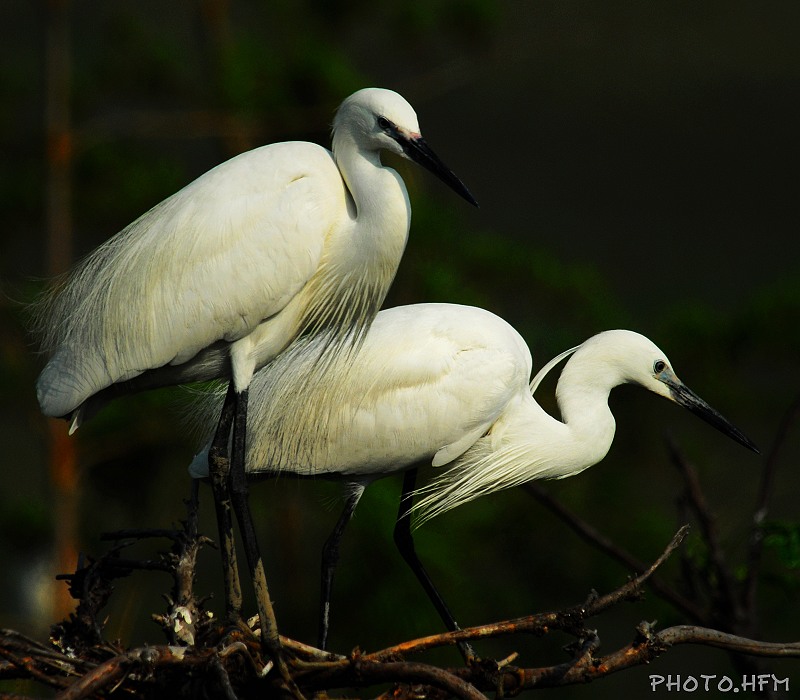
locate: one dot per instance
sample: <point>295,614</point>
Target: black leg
<point>330,556</point>
<point>219,468</point>
<point>405,543</point>
<point>270,640</point>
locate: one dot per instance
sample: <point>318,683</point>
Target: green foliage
<point>123,175</point>
<point>784,539</point>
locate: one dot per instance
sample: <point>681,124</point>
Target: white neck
<point>362,255</point>
<point>527,443</point>
<point>378,193</point>
<point>591,428</point>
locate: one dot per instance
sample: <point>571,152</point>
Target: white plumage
<point>283,241</point>
<point>220,277</point>
<point>448,385</point>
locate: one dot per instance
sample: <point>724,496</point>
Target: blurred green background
<point>636,165</point>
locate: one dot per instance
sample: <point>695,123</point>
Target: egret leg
<point>219,469</point>
<point>405,543</point>
<point>270,640</point>
<point>330,557</point>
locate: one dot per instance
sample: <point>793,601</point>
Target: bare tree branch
<point>595,538</point>
<point>766,487</point>
<point>731,606</point>
<point>728,600</point>
<point>568,620</point>
<point>227,662</point>
<point>644,649</point>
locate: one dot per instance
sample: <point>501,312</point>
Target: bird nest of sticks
<point>202,656</point>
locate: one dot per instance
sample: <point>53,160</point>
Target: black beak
<point>685,397</point>
<point>419,151</point>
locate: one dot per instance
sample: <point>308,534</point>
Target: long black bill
<point>419,151</point>
<point>685,397</point>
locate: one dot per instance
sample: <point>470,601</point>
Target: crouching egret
<point>285,240</point>
<point>447,385</point>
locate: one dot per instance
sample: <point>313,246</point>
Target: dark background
<point>636,165</point>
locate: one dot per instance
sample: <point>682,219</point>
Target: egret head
<point>379,119</point>
<point>637,360</point>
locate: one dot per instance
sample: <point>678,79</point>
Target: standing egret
<point>447,385</point>
<point>283,241</point>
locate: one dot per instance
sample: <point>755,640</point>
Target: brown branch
<point>570,619</point>
<point>30,667</point>
<point>360,670</point>
<point>689,634</point>
<point>307,653</point>
<point>462,682</point>
<point>604,544</point>
<point>584,667</point>
<point>364,671</point>
<point>632,587</point>
<point>185,618</point>
<point>232,666</point>
<point>27,658</point>
<point>645,648</point>
<point>116,668</point>
<point>727,600</point>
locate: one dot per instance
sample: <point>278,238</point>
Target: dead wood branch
<point>227,662</point>
<point>595,538</point>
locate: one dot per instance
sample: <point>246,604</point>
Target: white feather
<point>286,240</point>
<point>446,385</point>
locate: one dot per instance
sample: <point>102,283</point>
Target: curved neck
<point>378,192</point>
<point>363,254</point>
<point>582,397</point>
<point>527,443</point>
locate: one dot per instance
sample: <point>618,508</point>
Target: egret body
<point>285,240</point>
<point>450,386</point>
<point>219,278</point>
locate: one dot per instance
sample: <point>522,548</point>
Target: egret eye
<point>384,123</point>
<point>659,366</point>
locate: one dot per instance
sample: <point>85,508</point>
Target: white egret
<point>285,240</point>
<point>446,385</point>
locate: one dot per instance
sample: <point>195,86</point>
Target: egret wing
<point>209,263</point>
<point>429,380</point>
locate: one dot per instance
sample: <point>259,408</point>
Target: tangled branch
<point>724,604</point>
<point>228,662</point>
